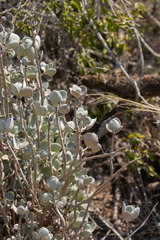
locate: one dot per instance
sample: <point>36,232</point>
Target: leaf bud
<point>114,125</point>
<point>90,139</point>
<point>64,109</point>
<point>44,198</point>
<point>53,183</point>
<point>26,92</point>
<point>43,232</point>
<point>21,210</point>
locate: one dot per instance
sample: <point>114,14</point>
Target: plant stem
<point>37,125</point>
<point>61,218</point>
<point>110,178</point>
<point>4,85</point>
<point>4,212</point>
<point>30,144</point>
<point>62,143</point>
<point>49,145</point>
<point>127,230</point>
<point>5,218</point>
<point>104,155</point>
<point>19,227</point>
<point>77,145</point>
<point>32,224</point>
<point>112,156</point>
<point>20,170</point>
<point>39,79</point>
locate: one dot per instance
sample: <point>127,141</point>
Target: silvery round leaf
<point>127,216</point>
<point>135,212</point>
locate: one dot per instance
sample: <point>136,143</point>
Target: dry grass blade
<point>121,102</point>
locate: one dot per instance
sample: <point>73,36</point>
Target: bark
<point>118,84</point>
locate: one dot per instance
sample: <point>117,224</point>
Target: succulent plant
<point>21,210</point>
<point>44,198</point>
<point>26,92</point>
<point>114,125</point>
<point>96,148</point>
<point>48,69</point>
<point>81,113</point>
<point>46,148</point>
<point>64,109</point>
<point>53,183</point>
<point>40,110</point>
<point>26,48</point>
<point>15,88</point>
<point>31,72</point>
<point>90,139</point>
<point>55,97</point>
<point>63,94</point>
<point>43,232</point>
<point>25,61</point>
<point>129,212</point>
<point>12,41</point>
<point>9,124</point>
<point>78,91</point>
<point>88,180</point>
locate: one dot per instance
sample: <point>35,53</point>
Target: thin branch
<point>77,146</point>
<point>29,141</point>
<point>37,126</point>
<point>20,170</point>
<point>62,143</point>
<point>49,145</point>
<point>148,47</point>
<point>143,222</point>
<point>104,155</point>
<point>39,78</point>
<point>154,20</point>
<point>4,85</point>
<point>2,211</point>
<point>104,185</point>
<point>112,156</point>
<point>138,40</point>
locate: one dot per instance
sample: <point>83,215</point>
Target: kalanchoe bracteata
<point>21,210</point>
<point>90,139</point>
<point>55,97</point>
<point>96,148</point>
<point>78,91</point>
<point>9,124</point>
<point>64,109</point>
<point>15,88</point>
<point>114,125</point>
<point>12,41</point>
<point>129,212</point>
<point>45,234</point>
<point>26,92</point>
